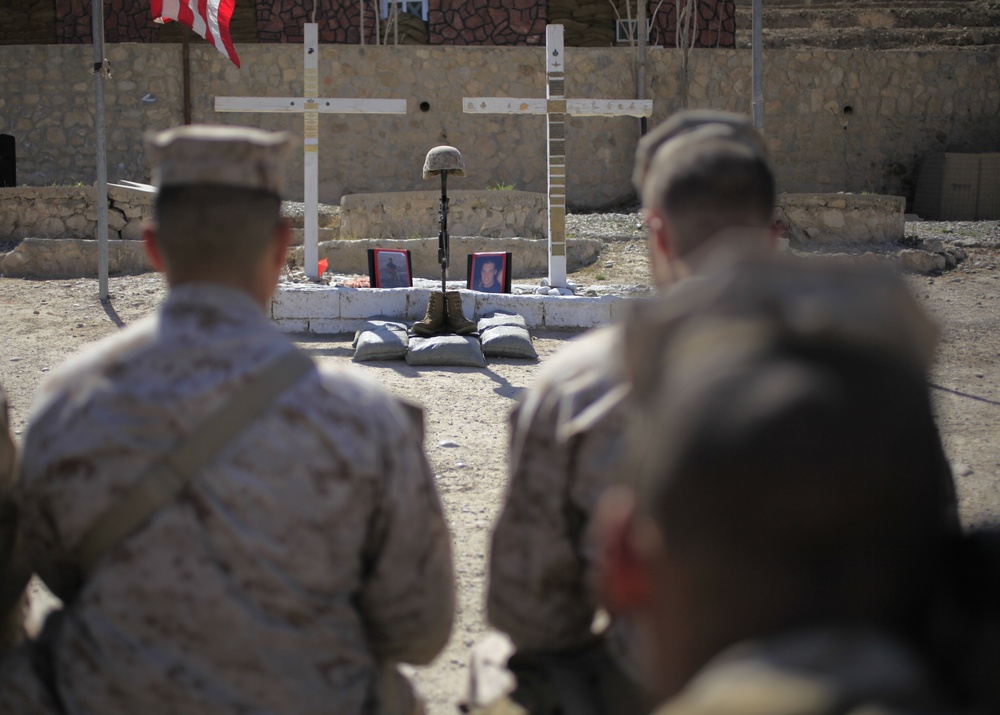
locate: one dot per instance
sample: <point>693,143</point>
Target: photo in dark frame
<point>489,272</point>
<point>389,268</point>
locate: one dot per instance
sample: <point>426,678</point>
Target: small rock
<point>542,290</point>
<point>961,470</point>
<point>933,244</point>
<point>15,359</point>
<point>447,443</point>
<point>79,325</point>
<point>920,261</point>
<point>554,291</point>
<point>609,264</point>
<point>980,375</point>
<point>545,282</point>
<point>460,465</point>
<point>565,291</point>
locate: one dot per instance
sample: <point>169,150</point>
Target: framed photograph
<point>389,268</point>
<point>490,272</point>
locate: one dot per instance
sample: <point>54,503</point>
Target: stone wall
<point>71,212</point>
<point>832,219</point>
<point>412,214</point>
<point>836,120</point>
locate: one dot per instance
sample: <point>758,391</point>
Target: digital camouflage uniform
<point>819,672</point>
<point>291,574</point>
<point>566,448</point>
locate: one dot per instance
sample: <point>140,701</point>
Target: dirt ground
<point>45,322</point>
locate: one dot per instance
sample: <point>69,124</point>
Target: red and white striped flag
<point>209,18</point>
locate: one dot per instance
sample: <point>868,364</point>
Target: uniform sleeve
<point>408,595</point>
<point>537,591</point>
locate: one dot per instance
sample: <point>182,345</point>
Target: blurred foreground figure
<point>14,570</point>
<point>303,558</point>
<point>707,186</point>
<point>788,544</point>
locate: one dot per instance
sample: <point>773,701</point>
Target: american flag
<point>209,18</point>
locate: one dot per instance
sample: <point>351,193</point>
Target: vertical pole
<point>640,74</point>
<point>97,28</point>
<point>310,184</point>
<point>758,71</point>
<point>555,94</point>
<point>186,62</point>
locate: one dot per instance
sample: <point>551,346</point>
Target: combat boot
<point>456,316</point>
<point>434,321</point>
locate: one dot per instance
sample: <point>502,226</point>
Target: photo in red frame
<point>489,272</point>
<point>389,268</point>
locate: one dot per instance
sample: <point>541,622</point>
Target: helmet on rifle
<point>443,160</point>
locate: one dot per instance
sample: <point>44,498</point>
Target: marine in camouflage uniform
<point>783,530</point>
<point>706,184</point>
<point>296,570</point>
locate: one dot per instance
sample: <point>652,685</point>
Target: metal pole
<point>640,74</point>
<point>758,71</point>
<point>102,160</point>
<point>186,64</point>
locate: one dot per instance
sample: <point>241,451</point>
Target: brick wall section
<point>131,21</point>
<point>715,25</point>
<point>486,22</point>
<point>449,22</point>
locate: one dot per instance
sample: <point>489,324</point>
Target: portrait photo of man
<point>489,272</point>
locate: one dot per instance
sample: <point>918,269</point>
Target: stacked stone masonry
<point>589,23</point>
<point>835,120</point>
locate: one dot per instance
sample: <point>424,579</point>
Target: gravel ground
<point>46,322</point>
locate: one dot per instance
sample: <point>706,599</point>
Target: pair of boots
<point>444,315</point>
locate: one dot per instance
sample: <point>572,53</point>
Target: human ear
<point>150,241</point>
<point>622,569</point>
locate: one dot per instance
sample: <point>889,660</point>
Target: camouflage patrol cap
<point>239,157</point>
<point>694,126</point>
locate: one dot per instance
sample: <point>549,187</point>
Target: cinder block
<point>305,302</point>
<point>621,307</point>
<point>363,303</point>
<point>292,325</point>
<point>416,303</point>
<point>528,307</point>
<point>567,312</point>
<point>335,326</point>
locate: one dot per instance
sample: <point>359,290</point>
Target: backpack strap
<point>164,479</point>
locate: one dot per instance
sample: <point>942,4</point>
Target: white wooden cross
<point>556,107</point>
<point>310,105</point>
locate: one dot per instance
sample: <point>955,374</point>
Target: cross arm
<point>298,105</point>
<point>609,107</point>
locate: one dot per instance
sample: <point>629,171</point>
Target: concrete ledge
<point>322,309</point>
<point>531,257</point>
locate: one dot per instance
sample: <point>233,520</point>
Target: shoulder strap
<point>163,480</point>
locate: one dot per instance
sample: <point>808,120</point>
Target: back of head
<point>786,444</point>
<point>219,199</point>
<point>704,172</point>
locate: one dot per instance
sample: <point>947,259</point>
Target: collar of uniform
<point>190,299</point>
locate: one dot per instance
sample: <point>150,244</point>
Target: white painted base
<point>323,309</point>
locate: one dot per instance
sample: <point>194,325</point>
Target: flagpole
<point>102,160</point>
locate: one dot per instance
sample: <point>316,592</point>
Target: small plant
<point>500,186</point>
<point>600,277</point>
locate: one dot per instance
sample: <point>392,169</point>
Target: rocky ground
<point>45,322</point>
